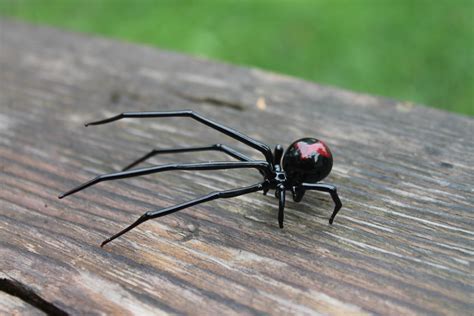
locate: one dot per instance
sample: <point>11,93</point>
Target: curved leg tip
<point>105,242</point>
<point>63,195</point>
<point>94,123</point>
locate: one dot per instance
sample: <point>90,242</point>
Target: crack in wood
<point>26,294</point>
<point>210,100</point>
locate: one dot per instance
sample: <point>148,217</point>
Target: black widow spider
<point>305,162</point>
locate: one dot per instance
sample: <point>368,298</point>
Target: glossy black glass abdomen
<point>307,160</point>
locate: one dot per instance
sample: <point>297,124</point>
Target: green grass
<point>419,51</point>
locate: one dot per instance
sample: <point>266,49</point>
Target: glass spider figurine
<point>299,169</point>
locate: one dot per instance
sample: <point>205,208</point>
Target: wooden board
<point>402,244</point>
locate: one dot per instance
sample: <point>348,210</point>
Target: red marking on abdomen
<point>307,150</point>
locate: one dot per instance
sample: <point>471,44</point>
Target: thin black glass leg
<point>216,147</point>
<point>175,208</point>
<point>281,204</point>
<point>331,189</point>
<point>263,148</point>
<point>263,166</point>
<point>298,193</point>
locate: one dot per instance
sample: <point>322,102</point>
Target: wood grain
<point>402,244</point>
<point>11,305</point>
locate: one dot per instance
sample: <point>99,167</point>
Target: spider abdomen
<point>307,160</point>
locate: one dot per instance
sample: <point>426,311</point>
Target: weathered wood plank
<point>403,243</point>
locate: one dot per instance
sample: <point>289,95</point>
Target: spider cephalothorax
<point>306,162</point>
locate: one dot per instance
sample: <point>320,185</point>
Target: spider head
<point>307,160</point>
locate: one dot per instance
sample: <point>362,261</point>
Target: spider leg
<point>216,147</point>
<point>263,166</point>
<point>281,205</point>
<point>263,148</point>
<point>298,193</point>
<point>331,189</point>
<point>175,208</point>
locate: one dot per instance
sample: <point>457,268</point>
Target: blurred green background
<point>411,50</point>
